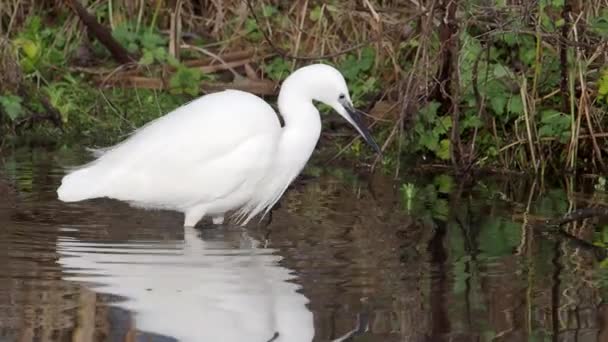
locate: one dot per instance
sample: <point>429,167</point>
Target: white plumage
<point>198,290</point>
<point>221,152</point>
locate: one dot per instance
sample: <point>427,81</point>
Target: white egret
<point>222,152</point>
<point>220,288</point>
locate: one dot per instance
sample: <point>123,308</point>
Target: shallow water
<point>345,258</point>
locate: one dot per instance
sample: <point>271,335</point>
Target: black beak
<point>358,123</point>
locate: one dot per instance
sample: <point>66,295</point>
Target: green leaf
<point>443,125</point>
<point>500,71</point>
<point>497,104</point>
<point>444,183</point>
<point>599,24</point>
<point>441,209</point>
<point>173,61</point>
<point>546,131</point>
<point>277,69</point>
<point>429,112</point>
<point>11,105</point>
<point>444,149</point>
<point>565,137</point>
<point>550,116</point>
<point>368,57</point>
<point>430,141</point>
<point>268,11</point>
<point>252,29</point>
<point>527,55</point>
<point>160,54</point>
<point>471,121</point>
<point>151,40</point>
<point>31,49</point>
<point>516,106</point>
<point>315,14</point>
<point>147,58</point>
<point>498,237</point>
<point>185,80</point>
<point>124,35</point>
<point>602,83</point>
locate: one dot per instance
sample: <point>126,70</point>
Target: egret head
<point>327,85</point>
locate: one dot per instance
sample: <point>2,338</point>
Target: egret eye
<point>341,97</point>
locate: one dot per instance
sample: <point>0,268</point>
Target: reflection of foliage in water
<point>496,252</point>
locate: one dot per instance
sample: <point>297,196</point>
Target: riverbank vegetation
<point>500,84</point>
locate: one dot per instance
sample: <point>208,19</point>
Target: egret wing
<point>199,152</point>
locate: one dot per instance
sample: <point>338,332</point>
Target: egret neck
<point>301,130</point>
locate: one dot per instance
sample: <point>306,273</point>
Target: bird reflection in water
<point>215,285</point>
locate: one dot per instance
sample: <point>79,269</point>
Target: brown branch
<point>580,214</point>
<point>102,33</point>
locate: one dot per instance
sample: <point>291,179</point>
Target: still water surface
<point>345,258</point>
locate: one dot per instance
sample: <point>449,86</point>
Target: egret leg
<point>219,219</point>
<point>193,215</point>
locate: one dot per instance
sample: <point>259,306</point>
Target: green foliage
<point>269,11</point>
<point>11,106</point>
<point>602,91</point>
<point>498,237</point>
<point>277,69</point>
<point>252,30</point>
<point>151,45</point>
<point>408,191</point>
<point>431,131</point>
<point>39,47</point>
<point>61,96</point>
<point>357,71</point>
<point>496,65</point>
<point>599,24</point>
<point>428,200</point>
<point>154,49</point>
<point>185,81</point>
<point>555,124</point>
